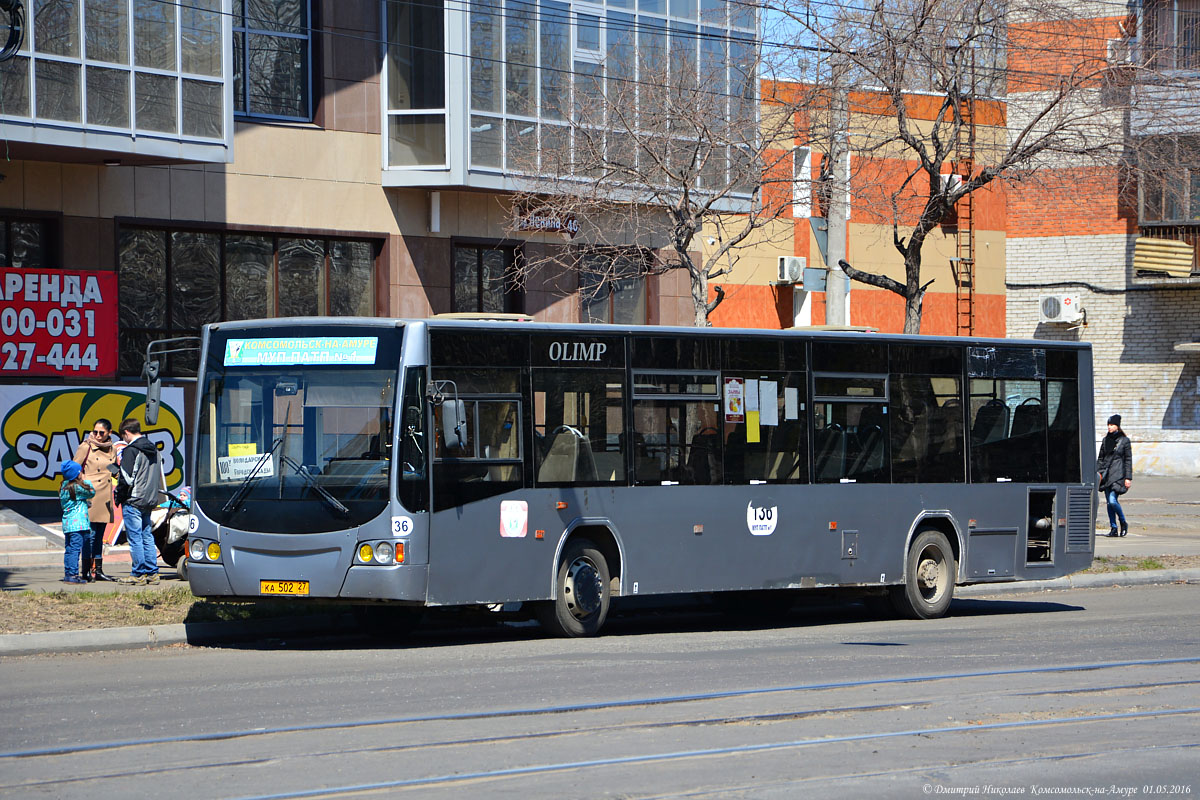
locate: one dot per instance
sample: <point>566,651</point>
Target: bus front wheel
<point>583,592</point>
<point>928,578</point>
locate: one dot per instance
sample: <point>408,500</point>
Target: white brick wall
<point>1133,333</point>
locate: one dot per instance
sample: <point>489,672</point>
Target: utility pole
<point>837,300</point>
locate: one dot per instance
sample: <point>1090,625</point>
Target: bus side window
<point>578,426</point>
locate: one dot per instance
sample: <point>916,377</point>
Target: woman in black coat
<point>1114,466</point>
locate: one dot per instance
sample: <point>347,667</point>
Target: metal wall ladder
<point>963,262</point>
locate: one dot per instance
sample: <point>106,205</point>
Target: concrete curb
<point>136,638</point>
<point>1084,581</point>
<point>25,644</point>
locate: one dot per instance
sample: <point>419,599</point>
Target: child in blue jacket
<point>75,494</point>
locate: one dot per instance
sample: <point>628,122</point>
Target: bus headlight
<point>213,551</point>
<point>380,553</point>
<point>196,550</point>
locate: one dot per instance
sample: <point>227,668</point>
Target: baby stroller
<point>169,524</point>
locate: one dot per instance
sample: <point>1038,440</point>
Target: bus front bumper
<point>398,582</point>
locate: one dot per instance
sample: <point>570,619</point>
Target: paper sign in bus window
<point>735,408</point>
<point>238,468</point>
<point>768,397</point>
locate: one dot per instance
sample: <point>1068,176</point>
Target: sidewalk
<point>1163,515</point>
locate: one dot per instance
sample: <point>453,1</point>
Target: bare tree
<point>1039,64</point>
<point>663,144</point>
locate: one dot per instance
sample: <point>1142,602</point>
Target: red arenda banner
<point>58,322</point>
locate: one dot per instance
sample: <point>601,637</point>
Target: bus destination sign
<point>310,351</point>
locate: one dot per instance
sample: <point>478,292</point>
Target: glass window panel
<point>742,14</point>
<point>579,426</point>
<point>1064,444</point>
<point>781,453</point>
<point>555,150</point>
<point>1008,430</point>
<point>287,16</point>
<point>155,102</point>
<point>653,6</point>
<point>587,32</point>
<point>56,27</point>
<point>486,58</point>
<point>277,78</point>
<point>629,301</point>
<point>683,56</point>
<point>200,37</point>
<point>301,277</point>
<point>351,269</point>
<point>14,87</point>
<point>30,243</point>
<point>239,71</point>
<point>850,442</point>
<point>416,140</point>
<point>520,58</point>
<point>249,270</point>
<point>466,279</point>
<point>416,59</point>
<point>713,61</point>
<point>132,346</point>
<point>493,276</point>
<point>620,65</point>
<point>57,90</point>
<point>195,278</point>
<point>154,34</point>
<point>620,3</point>
<point>485,142</point>
<point>203,109</point>
<point>555,58</point>
<point>3,244</point>
<point>928,432</point>
<point>106,30</point>
<point>142,278</point>
<point>589,92</point>
<point>108,97</point>
<point>521,146</point>
<point>712,12</point>
<point>683,8</point>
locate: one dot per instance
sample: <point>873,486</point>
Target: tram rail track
<point>424,735</point>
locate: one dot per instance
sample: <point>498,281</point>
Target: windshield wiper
<point>239,495</point>
<point>303,472</point>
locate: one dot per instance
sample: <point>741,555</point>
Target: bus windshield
<point>295,432</point>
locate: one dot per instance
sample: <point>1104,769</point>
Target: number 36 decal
<point>402,526</point>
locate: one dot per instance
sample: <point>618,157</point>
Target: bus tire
<point>929,574</point>
<point>582,592</point>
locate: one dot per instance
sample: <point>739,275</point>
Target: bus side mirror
<point>454,416</point>
<point>150,370</point>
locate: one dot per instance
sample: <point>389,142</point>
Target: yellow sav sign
<point>42,430</point>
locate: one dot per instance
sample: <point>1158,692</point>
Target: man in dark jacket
<point>1114,469</point>
<point>141,481</point>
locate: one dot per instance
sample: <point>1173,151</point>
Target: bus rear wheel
<point>581,605</point>
<point>928,578</point>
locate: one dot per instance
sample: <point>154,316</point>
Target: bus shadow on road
<point>457,628</point>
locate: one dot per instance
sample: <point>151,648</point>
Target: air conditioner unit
<point>1059,308</point>
<point>952,182</point>
<point>1121,51</point>
<point>791,268</point>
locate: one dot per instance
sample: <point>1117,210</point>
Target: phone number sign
<point>58,322</point>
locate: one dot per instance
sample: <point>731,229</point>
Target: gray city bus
<point>410,463</point>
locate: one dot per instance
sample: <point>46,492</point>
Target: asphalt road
<point>1081,689</point>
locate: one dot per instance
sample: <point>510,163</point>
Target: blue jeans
<point>93,542</point>
<point>1114,509</point>
<point>74,545</point>
<point>141,541</point>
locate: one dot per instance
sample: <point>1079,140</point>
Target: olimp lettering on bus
<point>577,351</point>
<point>42,429</point>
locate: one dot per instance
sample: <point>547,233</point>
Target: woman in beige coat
<point>95,454</point>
